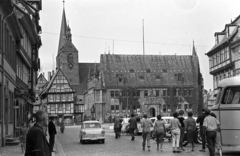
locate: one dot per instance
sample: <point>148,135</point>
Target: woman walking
<point>182,129</point>
<point>174,125</point>
<point>190,130</point>
<point>159,129</point>
<point>146,124</point>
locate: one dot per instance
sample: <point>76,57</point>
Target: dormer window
<point>164,70</point>
<point>131,71</point>
<point>158,77</point>
<point>120,77</point>
<point>141,77</point>
<point>148,70</point>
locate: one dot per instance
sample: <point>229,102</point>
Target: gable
<point>60,83</point>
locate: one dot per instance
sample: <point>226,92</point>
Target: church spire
<point>63,30</point>
<point>194,53</point>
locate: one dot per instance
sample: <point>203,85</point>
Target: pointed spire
<point>194,53</point>
<point>63,30</point>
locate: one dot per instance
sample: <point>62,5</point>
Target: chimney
<point>52,72</point>
<point>43,74</point>
<point>49,76</point>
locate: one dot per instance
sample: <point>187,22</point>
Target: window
<point>68,107</point>
<point>131,71</point>
<point>185,92</point>
<point>210,61</point>
<point>70,58</point>
<point>79,108</point>
<point>112,93</point>
<point>50,97</point>
<point>189,92</point>
<point>57,97</point>
<point>158,77</point>
<point>231,96</point>
<point>157,92</point>
<point>116,93</point>
<point>214,60</point>
<point>164,92</point>
<point>164,70</point>
<point>145,92</point>
<point>138,93</point>
<point>218,58</point>
<point>52,107</point>
<point>141,77</point>
<point>112,108</point>
<point>63,97</point>
<point>60,107</point>
<point>148,70</point>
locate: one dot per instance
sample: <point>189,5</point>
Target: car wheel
<point>103,141</point>
<point>199,138</point>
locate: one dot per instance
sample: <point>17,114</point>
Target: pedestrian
<point>182,129</point>
<point>200,120</point>
<point>23,132</point>
<point>132,126</point>
<point>174,125</point>
<point>146,124</point>
<point>159,130</point>
<point>117,127</point>
<point>211,126</point>
<point>190,131</point>
<point>218,144</point>
<point>37,143</point>
<point>52,132</point>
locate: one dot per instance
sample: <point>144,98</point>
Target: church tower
<point>67,57</point>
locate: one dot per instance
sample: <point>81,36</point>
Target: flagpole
<point>143,37</point>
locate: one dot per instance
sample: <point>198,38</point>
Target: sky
<point>116,27</point>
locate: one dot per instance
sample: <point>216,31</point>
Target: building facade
<point>19,44</point>
<point>58,99</point>
<point>224,57</point>
<point>151,84</point>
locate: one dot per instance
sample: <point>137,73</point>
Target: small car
<point>91,131</point>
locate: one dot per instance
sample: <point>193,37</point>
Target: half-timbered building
<point>58,99</point>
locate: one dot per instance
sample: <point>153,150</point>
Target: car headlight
<point>83,133</point>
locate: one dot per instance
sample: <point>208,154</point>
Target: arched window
<point>70,58</point>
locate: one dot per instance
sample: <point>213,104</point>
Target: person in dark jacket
<point>132,126</point>
<point>52,132</point>
<point>37,144</point>
<point>117,127</point>
<point>200,120</point>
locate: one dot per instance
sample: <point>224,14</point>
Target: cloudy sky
<point>115,26</point>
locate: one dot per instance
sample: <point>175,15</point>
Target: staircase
<point>11,141</point>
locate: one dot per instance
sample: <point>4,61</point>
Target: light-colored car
<point>91,131</point>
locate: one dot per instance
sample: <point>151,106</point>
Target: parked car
<point>91,131</point>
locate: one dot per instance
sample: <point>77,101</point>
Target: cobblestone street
<point>71,146</point>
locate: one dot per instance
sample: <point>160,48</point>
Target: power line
<point>121,40</point>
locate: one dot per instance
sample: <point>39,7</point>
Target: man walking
<point>52,132</point>
<point>200,120</point>
<point>146,124</point>
<point>37,143</point>
<point>132,126</point>
<point>117,126</point>
<point>211,126</point>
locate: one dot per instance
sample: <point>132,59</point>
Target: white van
<point>227,110</point>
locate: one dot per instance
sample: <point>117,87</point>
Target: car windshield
<point>91,125</point>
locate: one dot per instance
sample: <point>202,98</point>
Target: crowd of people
<point>181,129</point>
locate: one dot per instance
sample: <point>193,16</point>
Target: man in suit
<point>51,131</point>
<point>37,144</point>
<point>132,126</point>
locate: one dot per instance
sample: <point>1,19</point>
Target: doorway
<point>152,112</point>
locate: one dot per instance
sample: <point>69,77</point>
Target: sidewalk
<point>13,151</point>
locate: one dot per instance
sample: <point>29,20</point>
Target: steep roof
<point>68,47</point>
<point>63,31</point>
<point>85,70</point>
<point>149,70</point>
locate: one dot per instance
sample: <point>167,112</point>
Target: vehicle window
<point>152,120</point>
<point>231,96</point>
<point>92,125</point>
<point>218,93</point>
